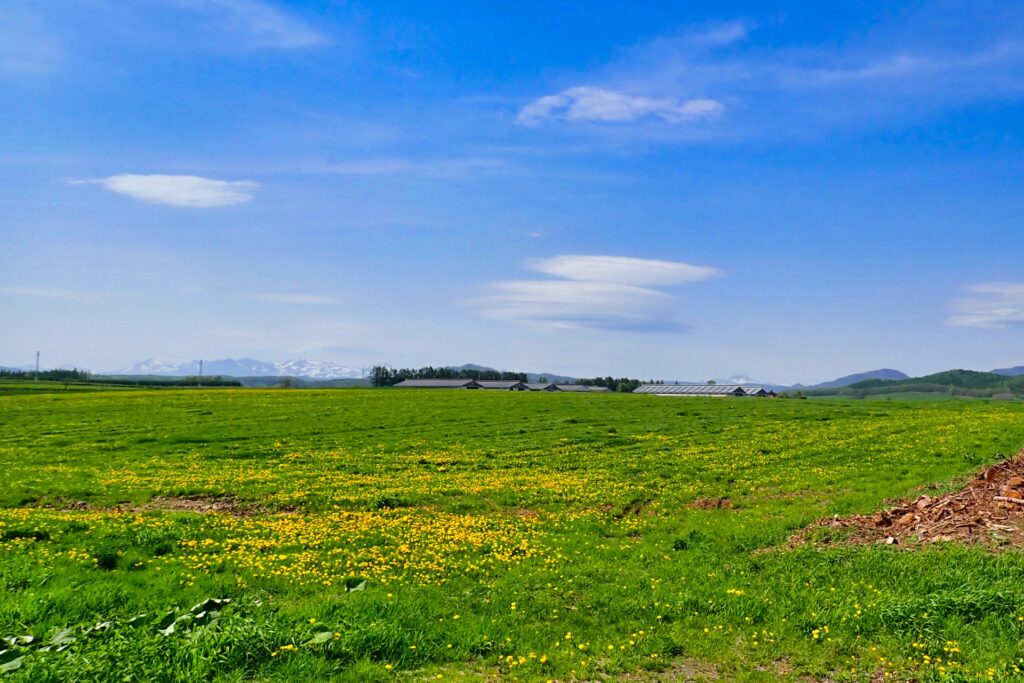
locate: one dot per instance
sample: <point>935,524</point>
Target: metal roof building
<point>438,384</point>
<point>580,388</point>
<point>541,386</point>
<point>691,389</point>
<point>503,385</point>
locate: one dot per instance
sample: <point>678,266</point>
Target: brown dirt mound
<point>989,510</point>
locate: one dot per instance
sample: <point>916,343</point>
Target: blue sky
<point>793,192</point>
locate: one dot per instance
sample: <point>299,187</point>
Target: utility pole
<point>200,372</point>
<point>37,366</point>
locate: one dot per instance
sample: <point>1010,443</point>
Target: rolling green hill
<point>963,383</point>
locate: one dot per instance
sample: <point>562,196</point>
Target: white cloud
<point>994,304</point>
<point>259,24</point>
<point>589,103</point>
<point>178,190</point>
<point>288,298</point>
<point>621,270</point>
<point>596,292</point>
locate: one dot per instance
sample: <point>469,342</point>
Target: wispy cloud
<point>257,24</point>
<point>431,168</point>
<point>589,103</point>
<point>722,33</point>
<point>771,85</point>
<point>598,292</point>
<point>27,47</point>
<point>993,304</point>
<point>178,190</point>
<point>899,66</point>
<point>291,298</point>
<point>54,293</point>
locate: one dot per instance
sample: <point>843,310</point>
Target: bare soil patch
<point>988,511</point>
<point>203,505</point>
<point>689,670</point>
<point>711,504</point>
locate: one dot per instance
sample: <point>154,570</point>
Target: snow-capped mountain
<point>316,369</point>
<point>243,367</point>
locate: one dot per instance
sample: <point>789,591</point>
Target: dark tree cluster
<point>383,376</point>
<point>72,375</point>
<point>622,384</point>
<point>75,376</point>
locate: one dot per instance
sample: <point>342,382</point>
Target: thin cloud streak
<point>568,304</point>
<point>27,48</point>
<point>289,298</point>
<point>621,270</point>
<point>258,25</point>
<point>55,293</point>
<point>431,168</point>
<point>725,33</point>
<point>990,305</point>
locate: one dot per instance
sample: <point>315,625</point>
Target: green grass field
<point>403,535</point>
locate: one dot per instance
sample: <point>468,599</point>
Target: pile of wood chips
<point>989,510</point>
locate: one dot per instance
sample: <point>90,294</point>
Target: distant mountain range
<point>326,370</point>
<point>243,367</point>
<point>884,373</point>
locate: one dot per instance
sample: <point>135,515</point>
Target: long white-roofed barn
<point>502,385</point>
<point>710,390</point>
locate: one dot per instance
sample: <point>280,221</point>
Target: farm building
<point>499,385</point>
<point>439,384</point>
<point>760,392</point>
<point>714,390</point>
<point>502,385</point>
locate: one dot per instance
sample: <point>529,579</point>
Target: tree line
<point>383,376</point>
<point>76,376</point>
<point>622,384</point>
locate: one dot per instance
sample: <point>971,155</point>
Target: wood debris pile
<point>989,510</point>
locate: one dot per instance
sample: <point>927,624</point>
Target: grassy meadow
<point>234,534</point>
